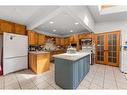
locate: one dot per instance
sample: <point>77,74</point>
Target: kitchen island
<point>39,61</point>
<point>70,69</point>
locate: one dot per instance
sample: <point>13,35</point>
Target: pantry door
<point>113,48</point>
<point>100,47</point>
<point>108,48</point>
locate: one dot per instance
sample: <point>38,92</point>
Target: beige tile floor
<point>99,77</point>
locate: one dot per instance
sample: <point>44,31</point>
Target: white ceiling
<point>116,13</point>
<point>38,18</point>
<point>17,14</point>
<point>63,24</point>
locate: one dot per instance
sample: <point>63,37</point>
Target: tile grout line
<point>18,82</point>
<point>4,82</point>
<point>34,84</point>
<point>93,78</point>
<point>104,77</point>
<point>115,77</point>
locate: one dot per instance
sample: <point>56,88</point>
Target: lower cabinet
<point>39,63</point>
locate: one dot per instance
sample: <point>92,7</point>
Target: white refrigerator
<point>123,65</point>
<point>15,52</point>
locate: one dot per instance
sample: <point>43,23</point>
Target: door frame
<point>106,47</point>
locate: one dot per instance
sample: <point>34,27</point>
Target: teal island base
<point>70,73</point>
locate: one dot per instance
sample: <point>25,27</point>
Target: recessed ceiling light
<point>76,23</point>
<point>71,30</point>
<point>54,30</point>
<point>51,22</point>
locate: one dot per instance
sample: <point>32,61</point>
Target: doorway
<point>108,48</point>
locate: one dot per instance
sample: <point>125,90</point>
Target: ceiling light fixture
<point>76,23</point>
<point>51,22</point>
<point>71,30</point>
<point>54,30</point>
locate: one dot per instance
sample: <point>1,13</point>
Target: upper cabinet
<point>6,26</point>
<point>32,37</point>
<point>35,38</point>
<point>73,38</point>
<point>85,35</point>
<point>67,41</point>
<point>10,27</point>
<point>20,29</point>
<point>62,43</point>
<point>57,41</point>
<point>41,39</point>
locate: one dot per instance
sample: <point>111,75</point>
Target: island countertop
<point>72,57</point>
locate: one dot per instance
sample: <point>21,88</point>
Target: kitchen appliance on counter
<point>15,52</point>
<point>86,42</point>
<point>86,45</point>
<point>71,50</point>
<point>35,48</point>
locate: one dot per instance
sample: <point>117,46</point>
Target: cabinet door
<point>41,39</point>
<point>80,70</point>
<point>62,41</point>
<point>71,39</point>
<point>33,62</point>
<point>20,29</point>
<point>75,38</point>
<point>32,38</point>
<point>6,26</point>
<point>58,41</point>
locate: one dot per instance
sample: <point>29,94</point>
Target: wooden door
<point>108,48</point>
<point>113,47</point>
<point>100,48</point>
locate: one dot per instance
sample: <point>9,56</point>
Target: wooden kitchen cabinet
<point>62,41</point>
<point>74,38</point>
<point>10,27</point>
<point>6,26</point>
<point>20,29</point>
<point>58,41</point>
<point>85,35</point>
<point>71,39</point>
<point>67,41</point>
<point>39,62</point>
<point>41,39</point>
<point>32,37</point>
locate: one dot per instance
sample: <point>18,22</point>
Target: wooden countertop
<point>38,52</point>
